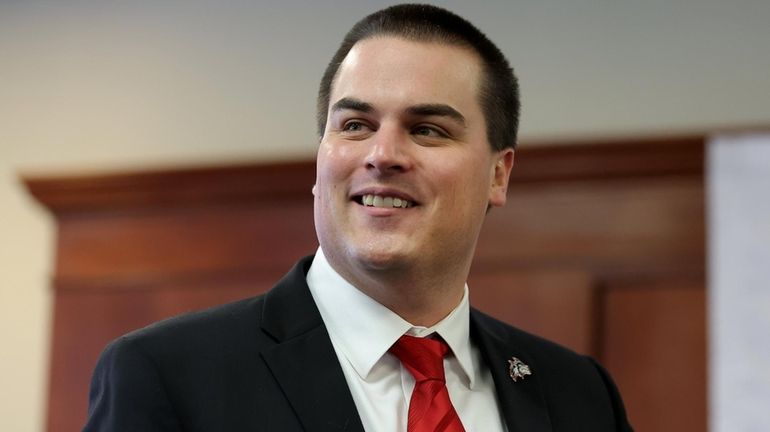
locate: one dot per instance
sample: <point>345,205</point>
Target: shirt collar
<point>364,330</point>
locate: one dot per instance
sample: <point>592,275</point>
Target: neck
<point>419,296</point>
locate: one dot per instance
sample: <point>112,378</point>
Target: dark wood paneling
<point>173,187</point>
<point>610,159</point>
<point>570,257</point>
<point>625,226</point>
<point>558,305</point>
<point>87,318</point>
<point>178,241</point>
<point>655,340</point>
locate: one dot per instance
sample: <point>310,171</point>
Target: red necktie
<point>430,409</point>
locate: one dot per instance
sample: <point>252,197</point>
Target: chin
<point>382,258</point>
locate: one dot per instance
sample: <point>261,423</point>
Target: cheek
<point>465,184</point>
<point>328,165</point>
<point>335,161</point>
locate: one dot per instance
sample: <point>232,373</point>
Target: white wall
<point>116,84</point>
<point>739,282</point>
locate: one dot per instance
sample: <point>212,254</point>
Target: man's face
<point>404,171</point>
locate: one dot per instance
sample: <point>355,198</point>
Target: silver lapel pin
<point>517,369</point>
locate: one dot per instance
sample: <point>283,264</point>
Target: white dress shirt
<point>362,330</point>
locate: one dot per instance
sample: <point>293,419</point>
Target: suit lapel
<point>303,361</point>
<point>521,402</point>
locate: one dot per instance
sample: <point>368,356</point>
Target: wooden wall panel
<point>624,226</point>
<point>86,319</point>
<point>184,240</point>
<point>634,233</point>
<point>558,305</point>
<point>655,339</point>
<point>121,270</point>
<point>570,257</point>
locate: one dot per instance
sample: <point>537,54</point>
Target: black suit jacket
<point>267,364</point>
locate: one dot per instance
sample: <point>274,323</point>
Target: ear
<point>313,190</point>
<point>498,188</point>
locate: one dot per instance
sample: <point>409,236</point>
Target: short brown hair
<point>499,92</point>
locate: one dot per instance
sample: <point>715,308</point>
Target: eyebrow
<point>441,110</point>
<point>353,104</point>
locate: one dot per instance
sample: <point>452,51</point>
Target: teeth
<point>385,201</point>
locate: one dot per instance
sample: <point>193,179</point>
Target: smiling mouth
<point>381,201</point>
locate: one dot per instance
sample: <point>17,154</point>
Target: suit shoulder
<point>578,390</point>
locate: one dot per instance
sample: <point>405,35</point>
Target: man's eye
<point>353,126</point>
<point>427,131</point>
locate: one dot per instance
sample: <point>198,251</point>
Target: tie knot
<point>423,357</point>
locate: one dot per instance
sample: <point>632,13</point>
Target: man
<point>418,114</point>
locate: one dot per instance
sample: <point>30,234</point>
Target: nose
<point>390,151</point>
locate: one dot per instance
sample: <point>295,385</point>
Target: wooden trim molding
<point>683,155</point>
<point>173,187</point>
<point>634,158</point>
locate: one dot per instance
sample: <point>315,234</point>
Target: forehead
<point>391,69</point>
